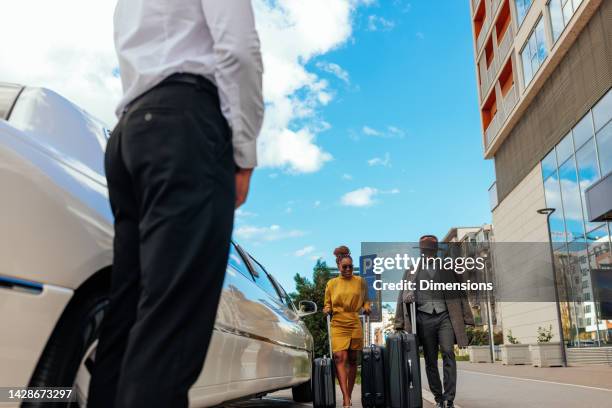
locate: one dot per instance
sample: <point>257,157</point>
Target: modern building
<point>544,73</point>
<point>476,242</point>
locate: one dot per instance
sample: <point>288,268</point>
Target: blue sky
<point>404,125</point>
<point>372,129</point>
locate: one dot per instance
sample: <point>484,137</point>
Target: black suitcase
<point>324,379</point>
<point>372,374</point>
<point>403,368</point>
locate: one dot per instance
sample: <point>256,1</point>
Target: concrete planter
<point>515,354</point>
<point>546,355</point>
<point>479,354</point>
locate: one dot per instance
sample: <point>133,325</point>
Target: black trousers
<point>171,178</point>
<point>436,334</point>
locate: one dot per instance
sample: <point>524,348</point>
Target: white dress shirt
<point>213,38</point>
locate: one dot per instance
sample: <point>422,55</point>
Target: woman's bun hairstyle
<point>341,252</point>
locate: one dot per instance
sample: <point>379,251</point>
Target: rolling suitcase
<point>324,379</point>
<point>372,373</point>
<point>403,367</point>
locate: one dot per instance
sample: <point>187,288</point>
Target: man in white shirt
<point>177,164</point>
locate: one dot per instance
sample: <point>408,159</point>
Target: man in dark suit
<point>441,320</point>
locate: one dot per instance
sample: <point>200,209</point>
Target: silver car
<point>55,259</point>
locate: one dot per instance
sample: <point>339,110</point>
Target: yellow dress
<point>345,297</point>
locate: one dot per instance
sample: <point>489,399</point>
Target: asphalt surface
<point>493,385</point>
<point>282,399</point>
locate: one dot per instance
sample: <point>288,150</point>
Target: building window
<point>604,145</point>
<point>561,12</point>
<point>581,158</point>
<point>534,52</point>
<point>587,309</point>
<point>602,112</point>
<point>522,7</point>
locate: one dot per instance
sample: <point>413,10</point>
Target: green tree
<point>315,291</point>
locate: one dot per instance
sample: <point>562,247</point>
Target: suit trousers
<point>170,173</point>
<point>436,334</point>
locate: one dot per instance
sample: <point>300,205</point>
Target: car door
<point>211,387</point>
<point>272,345</point>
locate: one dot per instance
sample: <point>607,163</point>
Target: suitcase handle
<point>366,329</point>
<point>413,323</point>
<point>331,355</point>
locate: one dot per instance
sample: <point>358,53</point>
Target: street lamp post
<point>548,212</point>
<point>489,315</point>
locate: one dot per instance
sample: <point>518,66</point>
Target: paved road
<point>493,385</point>
<point>282,399</point>
<point>501,387</point>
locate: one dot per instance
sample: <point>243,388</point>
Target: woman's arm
<point>367,305</point>
<point>327,303</point>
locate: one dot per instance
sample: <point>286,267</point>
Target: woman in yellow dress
<point>345,296</point>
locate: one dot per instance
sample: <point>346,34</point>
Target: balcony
<point>488,75</point>
<point>486,24</point>
<point>491,9</point>
<point>504,109</point>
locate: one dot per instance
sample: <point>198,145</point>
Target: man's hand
<point>243,179</point>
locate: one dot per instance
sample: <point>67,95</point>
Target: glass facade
<point>522,7</point>
<point>582,249</point>
<point>534,52</point>
<point>561,11</point>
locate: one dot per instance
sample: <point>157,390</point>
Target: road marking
<point>539,381</point>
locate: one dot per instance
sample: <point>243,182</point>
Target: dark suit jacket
<point>459,309</point>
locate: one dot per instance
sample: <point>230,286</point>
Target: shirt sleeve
<point>367,306</point>
<point>238,73</point>
<point>327,303</point>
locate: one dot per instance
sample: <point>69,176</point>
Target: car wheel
<point>71,348</point>
<point>302,392</point>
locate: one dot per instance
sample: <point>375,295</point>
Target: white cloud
<point>362,197</point>
<point>378,23</point>
<point>67,45</point>
<point>371,131</point>
<point>240,213</point>
<point>389,132</point>
<point>334,69</point>
<point>317,204</point>
<point>394,131</point>
<point>365,196</point>
<point>304,251</point>
<point>271,233</point>
<point>292,33</point>
<point>378,161</point>
<point>347,176</point>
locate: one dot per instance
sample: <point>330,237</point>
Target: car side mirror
<point>306,308</point>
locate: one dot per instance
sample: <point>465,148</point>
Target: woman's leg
<point>340,358</point>
<point>352,370</point>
